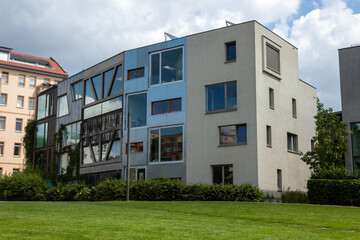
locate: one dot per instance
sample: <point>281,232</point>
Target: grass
<point>176,220</point>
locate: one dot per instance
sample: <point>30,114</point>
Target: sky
<point>81,33</point>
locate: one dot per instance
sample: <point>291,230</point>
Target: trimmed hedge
<point>334,192</point>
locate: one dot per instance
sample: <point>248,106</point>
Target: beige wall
<point>8,162</point>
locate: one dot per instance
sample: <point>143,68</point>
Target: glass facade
<point>63,108</point>
<point>76,90</point>
<point>41,135</point>
<point>166,144</point>
<point>104,107</point>
<point>71,134</point>
<point>107,81</point>
<point>116,87</point>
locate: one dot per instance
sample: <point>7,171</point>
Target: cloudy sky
<point>80,33</point>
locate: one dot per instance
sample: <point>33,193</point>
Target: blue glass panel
<point>89,95</point>
<point>117,84</point>
<point>97,85</point>
<point>155,69</point>
<point>241,134</point>
<point>160,107</point>
<point>231,52</point>
<point>176,105</point>
<point>171,65</point>
<point>137,103</point>
<point>107,81</point>
<point>215,97</point>
<point>171,144</point>
<point>231,100</point>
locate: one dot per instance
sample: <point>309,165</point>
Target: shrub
<point>110,189</point>
<point>23,186</point>
<point>69,192</point>
<point>334,192</point>
<point>332,172</point>
<point>296,196</point>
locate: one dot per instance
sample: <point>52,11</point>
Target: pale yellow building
<point>21,77</point>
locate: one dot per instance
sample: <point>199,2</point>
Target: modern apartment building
<point>222,106</point>
<point>22,77</point>
<point>349,60</point>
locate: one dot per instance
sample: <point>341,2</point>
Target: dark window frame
<point>268,136</point>
<point>139,72</point>
<point>169,110</point>
<point>226,109</point>
<point>292,143</point>
<point>271,98</point>
<point>223,177</point>
<point>236,135</point>
<point>278,71</point>
<point>227,49</point>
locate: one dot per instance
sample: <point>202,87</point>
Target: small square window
<point>18,125</point>
<point>292,142</point>
<point>17,147</point>
<point>3,100</point>
<point>230,51</point>
<point>135,73</point>
<point>293,102</point>
<point>232,135</point>
<point>5,78</point>
<point>271,98</point>
<point>268,136</point>
<point>32,82</point>
<point>20,102</point>
<point>21,81</point>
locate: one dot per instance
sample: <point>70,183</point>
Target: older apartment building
<point>223,106</point>
<point>22,77</point>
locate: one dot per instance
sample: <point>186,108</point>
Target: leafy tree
<point>28,142</point>
<point>329,142</point>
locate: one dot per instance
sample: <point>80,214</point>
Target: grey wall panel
<point>103,66</point>
<point>171,170</point>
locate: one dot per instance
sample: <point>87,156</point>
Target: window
<point>31,103</point>
<point>3,100</point>
<point>104,107</point>
<point>21,82</point>
<point>163,142</point>
<point>15,170</point>
<point>230,51</point>
<point>137,173</point>
<point>221,97</point>
<point>17,149</point>
<point>76,90</point>
<point>5,78</point>
<point>62,106</point>
<point>1,172</point>
<point>268,136</point>
<point>166,106</point>
<point>41,135</point>
<point>312,144</point>
<point>18,125</point>
<point>166,66</point>
<point>233,135</point>
<point>272,58</point>
<point>135,73</point>
<point>279,180</point>
<point>20,102</point>
<point>292,142</point>
<point>47,81</point>
<point>1,148</point>
<point>137,104</point>
<point>71,134</point>
<point>223,174</point>
<point>271,98</point>
<point>135,147</point>
<point>293,104</point>
<point>32,82</point>
<point>2,123</point>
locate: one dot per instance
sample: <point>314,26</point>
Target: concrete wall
<point>286,86</point>
<point>206,65</point>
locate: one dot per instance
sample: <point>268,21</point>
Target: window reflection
<point>107,81</point>
<point>89,95</point>
<point>117,84</point>
<point>137,103</point>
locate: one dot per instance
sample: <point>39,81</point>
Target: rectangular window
<point>272,58</point>
<point>166,106</point>
<point>135,147</point>
<point>3,100</point>
<point>293,107</point>
<point>137,103</point>
<point>230,51</point>
<point>292,142</point>
<point>312,145</point>
<point>271,98</point>
<point>135,73</point>
<point>77,90</point>
<point>166,144</point>
<point>63,106</point>
<point>41,135</point>
<point>1,148</point>
<point>166,66</point>
<point>18,125</point>
<point>5,78</point>
<point>268,136</point>
<point>223,174</point>
<point>32,82</point>
<point>1,172</point>
<point>20,102</point>
<point>15,170</point>
<point>233,135</point>
<point>47,81</point>
<point>279,180</point>
<point>17,147</point>
<point>21,82</point>
<point>31,103</point>
<point>43,105</point>
<point>220,97</point>
<point>71,134</point>
<point>2,123</point>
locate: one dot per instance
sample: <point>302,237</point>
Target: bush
<point>296,196</point>
<point>110,189</point>
<point>23,186</point>
<point>334,192</point>
<point>332,172</point>
<point>69,192</point>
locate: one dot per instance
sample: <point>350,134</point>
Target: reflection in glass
<point>154,145</point>
<point>63,106</point>
<point>171,138</point>
<point>114,153</point>
<point>215,97</point>
<point>41,106</point>
<point>171,65</point>
<point>107,81</point>
<point>117,84</point>
<point>137,103</point>
<point>155,69</point>
<point>104,148</point>
<point>87,156</point>
<point>141,174</point>
<point>231,99</point>
<point>227,135</point>
<point>89,95</point>
<point>40,138</point>
<point>104,107</point>
<point>97,85</point>
<point>77,90</point>
<point>228,174</point>
<point>160,107</point>
<point>176,105</point>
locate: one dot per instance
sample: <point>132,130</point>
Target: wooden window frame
<point>137,147</point>
<point>139,71</point>
<point>169,110</point>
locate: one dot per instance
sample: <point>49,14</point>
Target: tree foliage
<point>28,142</point>
<point>329,141</point>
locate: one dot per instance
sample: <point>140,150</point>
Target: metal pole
<point>128,157</point>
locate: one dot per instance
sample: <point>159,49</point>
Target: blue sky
<point>81,33</point>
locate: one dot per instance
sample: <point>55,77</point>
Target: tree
<point>329,141</point>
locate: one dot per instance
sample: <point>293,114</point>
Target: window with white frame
<point>18,125</point>
<point>20,102</point>
<point>21,82</point>
<point>31,103</point>
<point>3,100</point>
<point>2,123</point>
<point>32,82</point>
<point>292,142</point>
<point>166,66</point>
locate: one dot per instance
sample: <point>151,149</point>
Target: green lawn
<point>176,220</point>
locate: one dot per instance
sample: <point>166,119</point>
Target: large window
<point>17,147</point>
<point>63,108</point>
<point>41,135</point>
<point>32,82</point>
<point>355,140</point>
<point>272,58</point>
<point>292,142</point>
<point>3,100</point>
<point>137,104</point>
<point>2,123</point>
<point>221,97</point>
<point>166,66</point>
<point>223,174</point>
<point>21,82</point>
<point>230,51</point>
<point>1,148</point>
<point>5,78</point>
<point>20,102</point>
<point>104,107</point>
<point>76,90</point>
<point>166,144</point>
<point>31,103</point>
<point>135,73</point>
<point>233,134</point>
<point>71,134</point>
<point>166,106</point>
<point>18,125</point>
